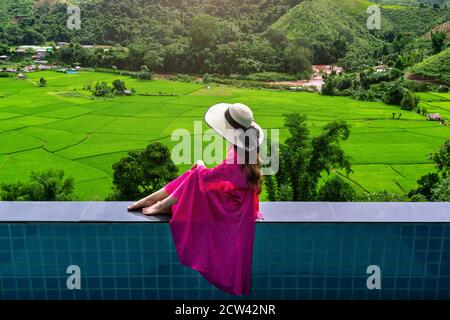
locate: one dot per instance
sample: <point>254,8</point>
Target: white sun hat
<point>235,123</point>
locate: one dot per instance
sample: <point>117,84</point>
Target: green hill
<point>321,22</point>
<point>413,20</point>
<point>353,7</point>
<point>416,3</point>
<point>436,67</point>
<point>12,8</point>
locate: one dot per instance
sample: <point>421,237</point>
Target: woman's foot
<point>149,200</point>
<point>157,208</point>
<point>141,204</point>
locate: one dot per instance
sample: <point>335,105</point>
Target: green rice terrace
<point>63,126</point>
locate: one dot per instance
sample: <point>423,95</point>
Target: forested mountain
<point>220,36</point>
<point>332,33</point>
<point>413,20</point>
<point>416,3</point>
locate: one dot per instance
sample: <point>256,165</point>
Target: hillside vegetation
<point>413,20</point>
<point>416,3</point>
<point>223,37</point>
<point>328,28</point>
<point>437,67</point>
<point>445,28</point>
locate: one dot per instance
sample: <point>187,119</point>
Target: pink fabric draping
<point>213,223</point>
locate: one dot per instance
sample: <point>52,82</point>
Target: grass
<point>43,128</point>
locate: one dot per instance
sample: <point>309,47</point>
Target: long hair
<point>254,177</point>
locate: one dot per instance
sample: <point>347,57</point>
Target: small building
<point>380,68</point>
<point>21,76</point>
<point>434,117</point>
<point>39,52</point>
<point>3,57</point>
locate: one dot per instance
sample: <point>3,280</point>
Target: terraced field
<point>62,126</point>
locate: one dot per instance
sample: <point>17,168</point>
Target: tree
<point>204,31</point>
<point>442,159</point>
<point>247,66</point>
<point>206,78</point>
<point>338,47</point>
<point>136,53</point>
<point>42,82</point>
<point>142,172</point>
<point>277,38</point>
<point>45,186</point>
<point>409,101</point>
<point>119,86</point>
<point>426,185</point>
<point>4,48</point>
<point>438,40</point>
<point>32,37</point>
<point>393,93</point>
<point>102,90</point>
<point>328,86</point>
<point>298,59</point>
<point>303,160</point>
<point>442,191</point>
<point>153,58</point>
<point>337,190</point>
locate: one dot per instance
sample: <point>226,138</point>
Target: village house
<point>40,52</point>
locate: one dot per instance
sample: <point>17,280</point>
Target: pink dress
<point>213,223</point>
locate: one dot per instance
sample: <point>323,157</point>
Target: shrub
<point>418,198</point>
<point>442,191</point>
<point>144,75</point>
<point>381,196</point>
<point>271,77</point>
<point>394,74</point>
<point>426,184</point>
<point>336,189</point>
<point>393,94</point>
<point>344,83</point>
<point>42,82</point>
<point>102,90</point>
<point>408,101</point>
<point>45,186</point>
<point>4,75</point>
<point>142,172</point>
<point>119,86</point>
<point>206,78</point>
<point>328,87</point>
<point>184,78</point>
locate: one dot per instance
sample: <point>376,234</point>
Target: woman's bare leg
<point>149,200</point>
<point>160,206</point>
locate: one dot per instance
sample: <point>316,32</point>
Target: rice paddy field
<point>63,126</point>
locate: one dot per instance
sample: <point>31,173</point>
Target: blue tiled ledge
<point>272,211</point>
<point>301,251</point>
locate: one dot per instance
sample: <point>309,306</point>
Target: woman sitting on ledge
<point>214,210</point>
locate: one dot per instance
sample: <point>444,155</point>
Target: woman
<point>214,210</point>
